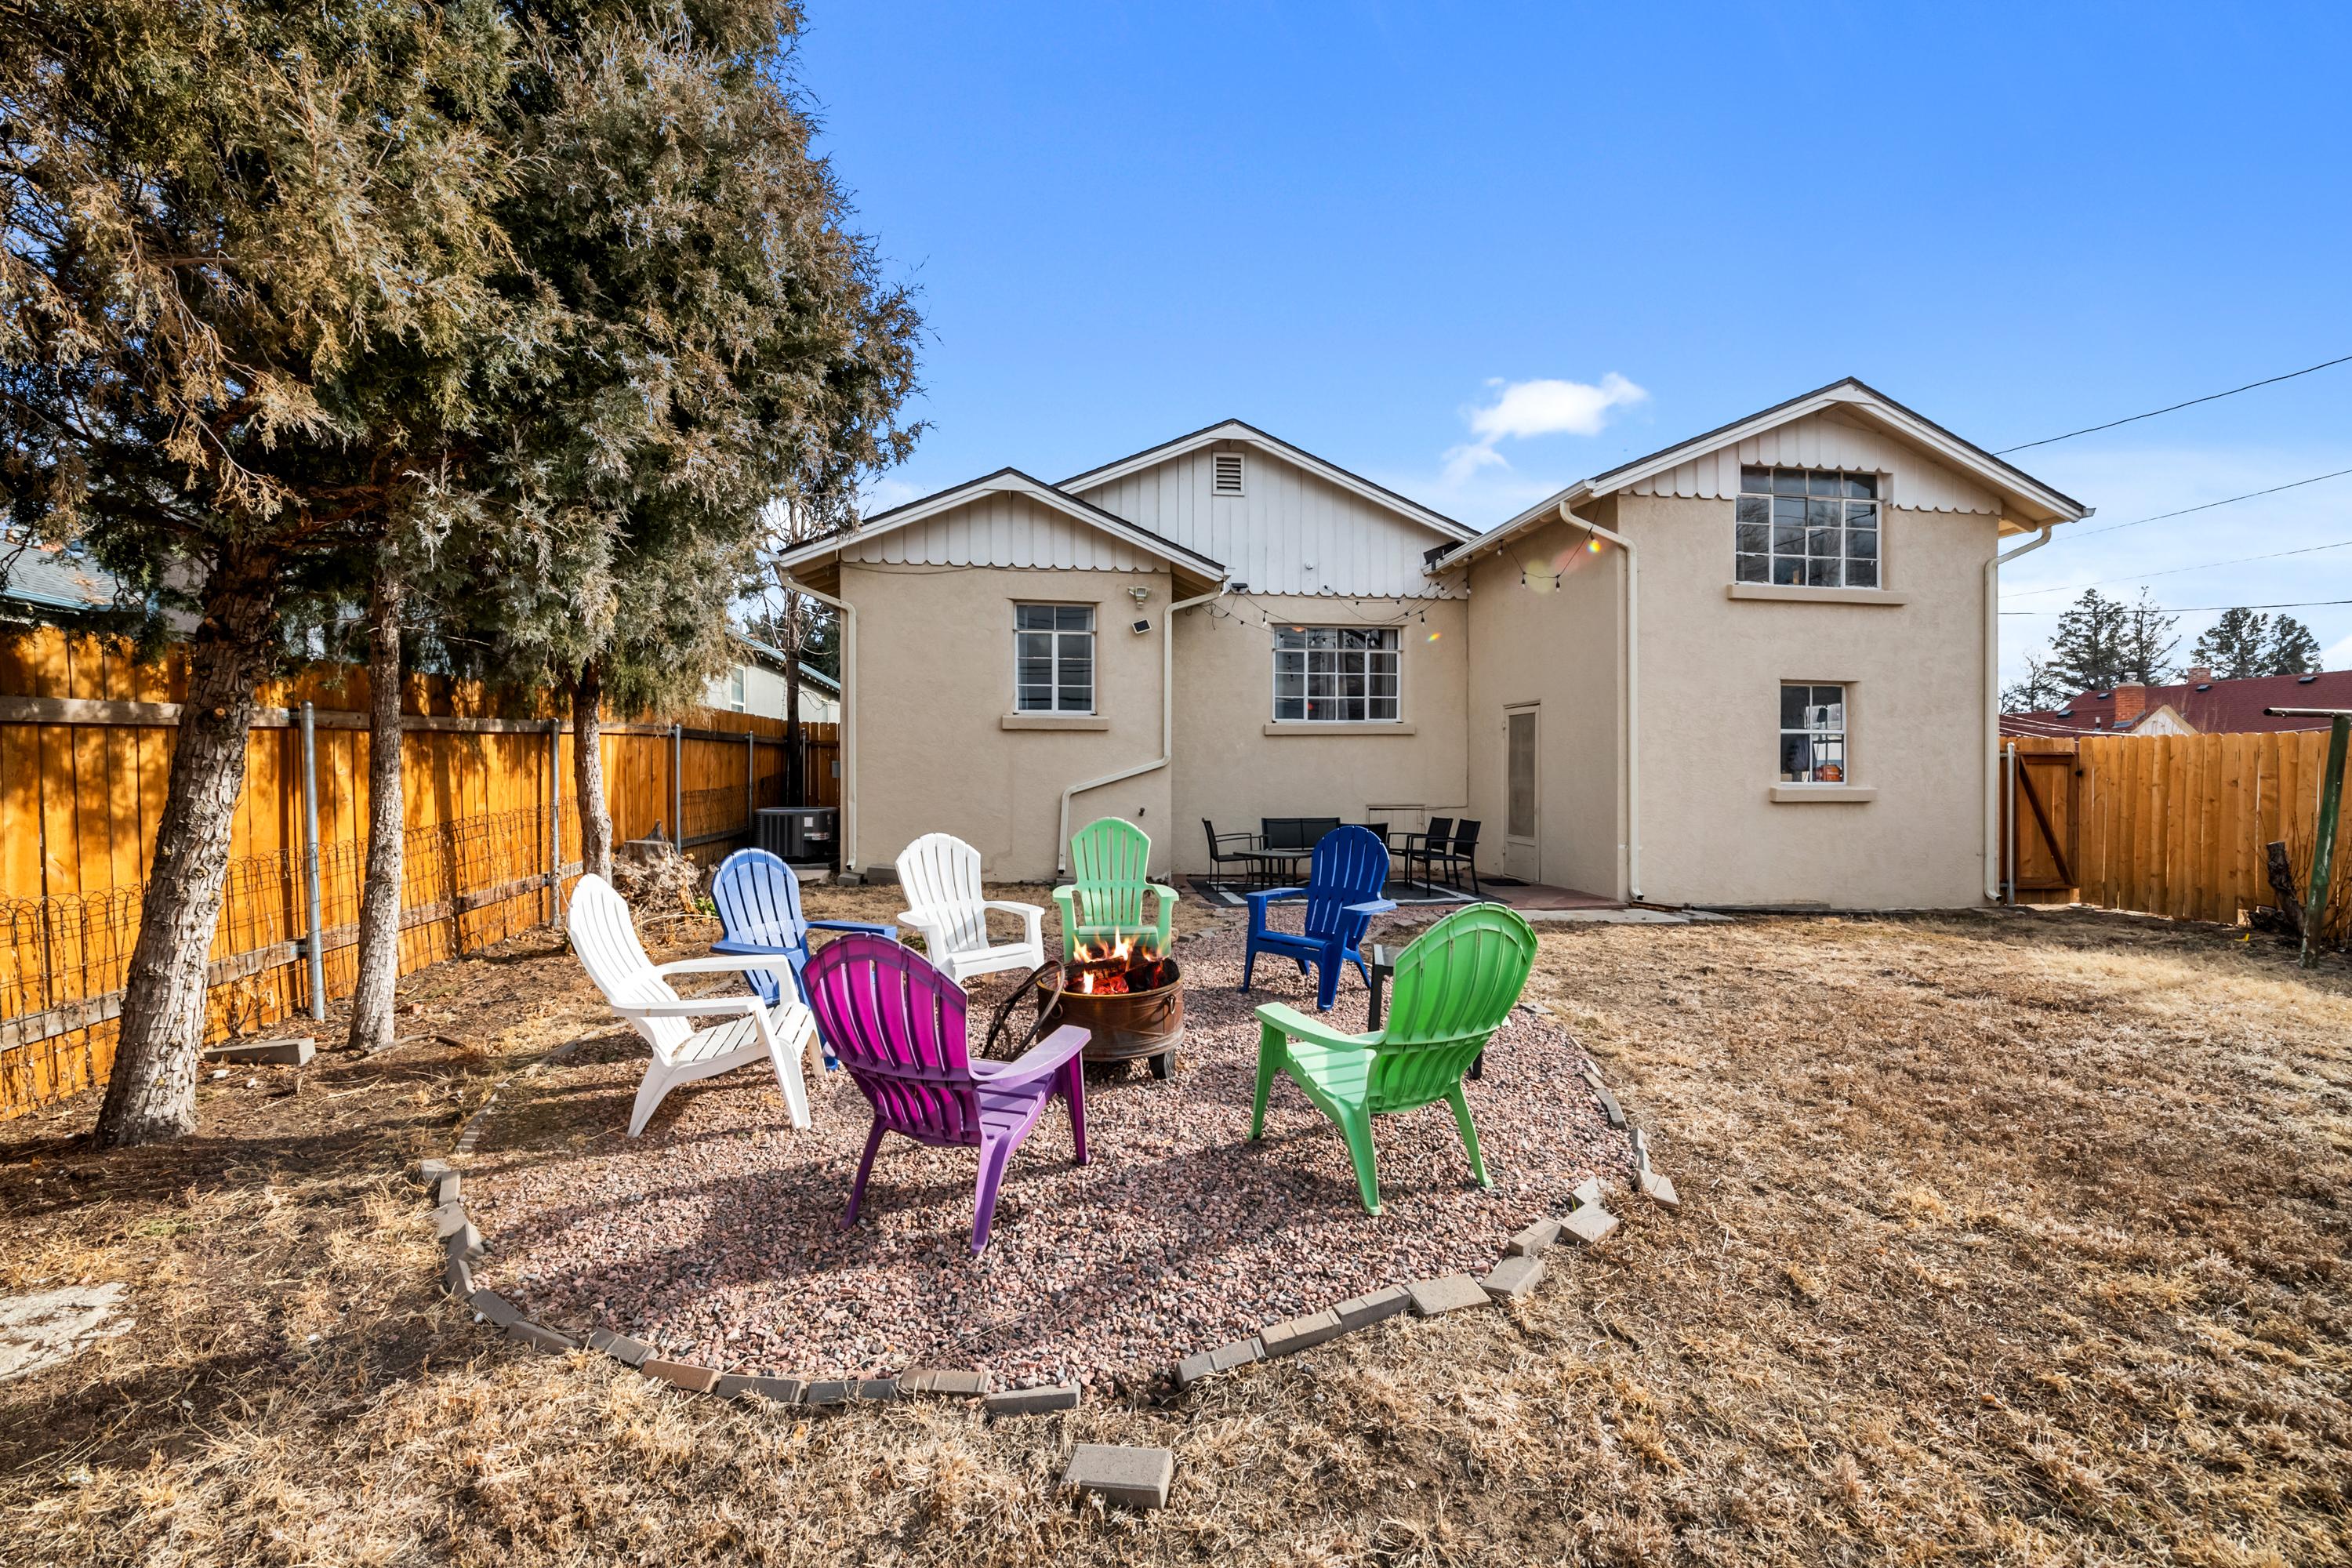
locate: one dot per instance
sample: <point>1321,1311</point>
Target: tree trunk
<point>151,1096</point>
<point>795,767</point>
<point>379,951</point>
<point>588,773</point>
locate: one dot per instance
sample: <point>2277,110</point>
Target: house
<point>1724,673</point>
<point>2196,704</point>
<point>756,685</point>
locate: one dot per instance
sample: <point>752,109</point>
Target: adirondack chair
<point>898,1025</point>
<point>941,874</point>
<point>758,901</point>
<point>1110,872</point>
<point>1343,893</point>
<point>638,989</point>
<point>1455,986</point>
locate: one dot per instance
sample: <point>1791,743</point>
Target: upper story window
<point>1813,734</point>
<point>1812,528</point>
<point>1336,675</point>
<point>1054,658</point>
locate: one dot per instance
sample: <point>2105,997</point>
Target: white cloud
<point>1523,409</point>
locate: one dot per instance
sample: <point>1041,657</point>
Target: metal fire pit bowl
<point>1123,1025</point>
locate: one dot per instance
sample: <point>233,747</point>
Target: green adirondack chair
<point>1452,990</point>
<point>1110,871</point>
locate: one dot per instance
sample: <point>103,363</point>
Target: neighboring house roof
<point>52,577</point>
<point>1006,482</point>
<point>773,657</point>
<point>2205,707</point>
<point>1236,430</point>
<point>2026,501</point>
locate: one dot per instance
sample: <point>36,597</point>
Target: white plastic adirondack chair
<point>606,941</point>
<point>941,874</point>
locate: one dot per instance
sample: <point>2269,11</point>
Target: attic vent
<point>1228,474</point>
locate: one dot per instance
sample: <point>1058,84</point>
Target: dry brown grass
<point>2005,1239</point>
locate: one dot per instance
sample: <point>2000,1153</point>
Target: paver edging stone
<point>1137,1477</point>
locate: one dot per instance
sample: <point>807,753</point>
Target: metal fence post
<point>2323,851</point>
<point>310,943</point>
<point>751,776</point>
<point>2009,836</point>
<point>677,786</point>
<point>555,821</point>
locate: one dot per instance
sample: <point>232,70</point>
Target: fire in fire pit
<point>1128,998</point>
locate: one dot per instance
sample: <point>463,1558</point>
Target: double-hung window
<point>1054,658</point>
<point>1336,675</point>
<point>1811,528</point>
<point>1813,734</point>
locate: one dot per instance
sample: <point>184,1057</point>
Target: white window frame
<point>1306,699</point>
<point>1825,723</point>
<point>1062,637</point>
<point>738,689</point>
<point>1834,504</point>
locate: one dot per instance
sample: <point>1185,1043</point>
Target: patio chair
<point>1342,893</point>
<point>898,1023</point>
<point>758,901</point>
<point>1440,831</point>
<point>941,874</point>
<point>1220,857</point>
<point>1461,854</point>
<point>1110,873</point>
<point>1454,988</point>
<point>605,938</point>
<point>1291,839</point>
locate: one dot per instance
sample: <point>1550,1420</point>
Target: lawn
<point>2005,1237</point>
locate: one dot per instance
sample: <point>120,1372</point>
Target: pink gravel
<point>716,1235</point>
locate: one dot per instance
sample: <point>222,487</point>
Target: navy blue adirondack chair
<point>758,901</point>
<point>1350,866</point>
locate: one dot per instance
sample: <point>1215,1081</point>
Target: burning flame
<point>1103,967</point>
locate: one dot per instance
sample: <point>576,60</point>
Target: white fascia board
<point>1011,481</point>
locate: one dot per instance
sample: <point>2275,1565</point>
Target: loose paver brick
<point>451,1188</point>
<point>620,1347</point>
<point>273,1053</point>
<point>430,1172</point>
<point>774,1390</point>
<point>466,1244</point>
<point>1450,1294</point>
<point>457,1277</point>
<point>1295,1334</point>
<point>495,1307</point>
<point>1513,1276</point>
<point>947,1384</point>
<point>1589,1227</point>
<point>540,1339</point>
<point>1135,1477</point>
<point>683,1374</point>
<point>1357,1311</point>
<point>1609,1108</point>
<point>448,1220</point>
<point>1660,1189</point>
<point>1588,1193</point>
<point>1033,1401</point>
<point>1224,1358</point>
<point>1533,1239</point>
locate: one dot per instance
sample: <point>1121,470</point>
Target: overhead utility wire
<point>2203,609</point>
<point>2175,571</point>
<point>2206,506</point>
<point>2208,397</point>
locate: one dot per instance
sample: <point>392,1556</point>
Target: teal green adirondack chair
<point>1451,989</point>
<point>1110,871</point>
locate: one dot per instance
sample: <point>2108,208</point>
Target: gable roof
<point>1011,481</point>
<point>1236,430</point>
<point>2025,500</point>
<point>2208,706</point>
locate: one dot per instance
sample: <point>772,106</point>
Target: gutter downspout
<point>1167,724</point>
<point>1633,844</point>
<point>848,715</point>
<point>1992,851</point>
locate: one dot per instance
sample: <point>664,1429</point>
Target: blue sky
<point>1370,228</point>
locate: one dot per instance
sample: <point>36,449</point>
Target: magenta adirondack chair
<point>897,1024</point>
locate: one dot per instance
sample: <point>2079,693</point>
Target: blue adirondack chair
<point>758,901</point>
<point>1350,866</point>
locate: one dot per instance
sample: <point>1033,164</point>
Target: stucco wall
<point>935,684</point>
<point>1711,671</point>
<point>1229,770</point>
<point>1562,651</point>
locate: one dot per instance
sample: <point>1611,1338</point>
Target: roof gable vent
<point>1226,474</point>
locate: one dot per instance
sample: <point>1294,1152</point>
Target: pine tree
<point>2292,650</point>
<point>2147,642</point>
<point>2235,645</point>
<point>2101,643</point>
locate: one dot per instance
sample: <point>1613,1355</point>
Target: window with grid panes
<point>1336,674</point>
<point>1813,734</point>
<point>1054,658</point>
<point>1815,528</point>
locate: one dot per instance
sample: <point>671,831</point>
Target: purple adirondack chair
<point>898,1024</point>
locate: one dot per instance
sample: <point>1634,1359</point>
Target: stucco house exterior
<point>1727,673</point>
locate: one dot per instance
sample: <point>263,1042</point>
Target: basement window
<point>1053,658</point>
<point>1336,675</point>
<point>1226,471</point>
<point>1813,734</point>
<point>1814,528</point>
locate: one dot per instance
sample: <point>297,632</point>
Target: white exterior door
<point>1521,856</point>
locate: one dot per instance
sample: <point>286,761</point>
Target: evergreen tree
<point>2293,650</point>
<point>2101,643</point>
<point>2244,642</point>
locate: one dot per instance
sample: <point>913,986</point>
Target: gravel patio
<point>715,1236</point>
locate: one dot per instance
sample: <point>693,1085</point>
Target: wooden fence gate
<point>2041,802</point>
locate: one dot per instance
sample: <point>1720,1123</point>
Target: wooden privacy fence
<point>2166,825</point>
<point>85,738</point>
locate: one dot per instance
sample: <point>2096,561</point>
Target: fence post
<point>2331,797</point>
<point>751,794</point>
<point>555,822</point>
<point>678,787</point>
<point>310,943</point>
<point>2009,836</point>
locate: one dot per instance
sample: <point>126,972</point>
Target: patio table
<point>1380,960</point>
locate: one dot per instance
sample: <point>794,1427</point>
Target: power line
<point>2206,506</point>
<point>2170,408</point>
<point>2175,571</point>
<point>2203,609</point>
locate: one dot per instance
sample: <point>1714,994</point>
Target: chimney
<point>2131,701</point>
<point>2197,672</point>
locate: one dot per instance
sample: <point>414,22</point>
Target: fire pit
<point>1129,1000</point>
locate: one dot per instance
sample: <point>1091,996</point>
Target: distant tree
<point>2036,692</point>
<point>2147,642</point>
<point>2244,643</point>
<point>2102,642</point>
<point>2293,649</point>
